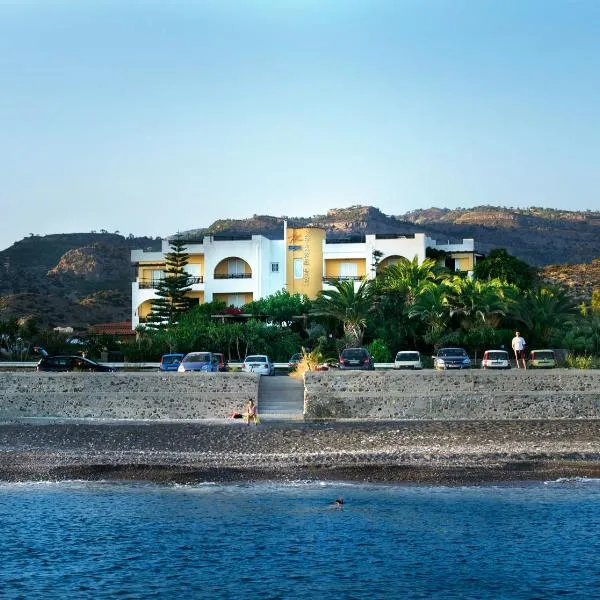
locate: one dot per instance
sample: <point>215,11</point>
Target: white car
<point>408,359</point>
<point>258,363</point>
<point>495,359</point>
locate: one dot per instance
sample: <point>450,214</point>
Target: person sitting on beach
<point>251,413</point>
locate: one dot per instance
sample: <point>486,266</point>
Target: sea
<point>272,540</point>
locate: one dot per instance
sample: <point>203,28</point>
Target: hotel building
<point>241,268</point>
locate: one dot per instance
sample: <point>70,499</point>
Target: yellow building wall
<point>464,261</point>
<point>197,259</point>
<point>332,266</point>
<point>388,261</point>
<point>222,267</point>
<point>145,271</point>
<point>305,243</point>
<point>144,309</point>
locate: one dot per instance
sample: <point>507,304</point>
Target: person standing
<point>518,345</point>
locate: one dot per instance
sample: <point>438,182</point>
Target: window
<point>193,270</point>
<point>348,269</point>
<point>237,300</point>
<point>235,266</point>
<point>298,273</point>
<point>274,267</point>
<point>156,276</point>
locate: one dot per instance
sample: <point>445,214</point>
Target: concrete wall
<point>125,395</point>
<point>451,395</point>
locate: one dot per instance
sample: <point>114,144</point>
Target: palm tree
<point>431,307</point>
<point>544,310</point>
<point>407,277</point>
<point>347,305</point>
<point>474,301</point>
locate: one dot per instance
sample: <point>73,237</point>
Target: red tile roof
<point>120,328</point>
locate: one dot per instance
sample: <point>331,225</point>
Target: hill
<point>75,279</point>
<point>81,279</point>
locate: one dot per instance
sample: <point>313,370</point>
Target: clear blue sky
<point>150,117</point>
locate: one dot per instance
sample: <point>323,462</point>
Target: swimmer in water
<point>339,502</point>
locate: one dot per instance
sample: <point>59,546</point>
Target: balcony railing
<point>343,278</point>
<point>233,275</point>
<point>152,284</point>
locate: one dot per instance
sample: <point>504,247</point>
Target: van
<point>542,359</point>
<point>495,359</point>
<point>408,359</point>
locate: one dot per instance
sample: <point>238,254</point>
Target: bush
<point>379,351</point>
<point>582,362</point>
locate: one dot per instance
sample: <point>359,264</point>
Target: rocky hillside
<point>82,279</point>
<point>76,279</point>
<point>539,236</point>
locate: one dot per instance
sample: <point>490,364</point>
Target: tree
<point>347,305</point>
<point>281,307</point>
<point>172,302</point>
<point>544,311</point>
<point>432,309</point>
<point>475,302</point>
<point>499,264</point>
<point>407,277</point>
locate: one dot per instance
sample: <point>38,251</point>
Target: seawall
<point>453,395</point>
<point>136,396</point>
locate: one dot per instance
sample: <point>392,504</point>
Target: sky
<point>150,118</point>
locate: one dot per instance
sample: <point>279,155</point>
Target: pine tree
<point>172,289</point>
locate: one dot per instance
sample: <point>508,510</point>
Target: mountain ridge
<point>81,279</point>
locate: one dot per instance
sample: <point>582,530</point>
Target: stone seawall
<point>452,395</point>
<point>125,395</point>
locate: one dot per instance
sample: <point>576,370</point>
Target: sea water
<point>273,540</point>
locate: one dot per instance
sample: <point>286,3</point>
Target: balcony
<point>233,275</point>
<point>152,284</point>
<point>343,278</point>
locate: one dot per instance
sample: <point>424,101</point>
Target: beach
<point>441,452</point>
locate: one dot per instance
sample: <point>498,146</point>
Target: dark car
<point>452,358</point>
<point>170,362</point>
<point>356,358</point>
<point>71,363</point>
<point>294,360</point>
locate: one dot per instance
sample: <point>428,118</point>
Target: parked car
<point>452,358</point>
<point>542,359</point>
<point>71,363</point>
<point>205,362</point>
<point>258,363</point>
<point>408,359</point>
<point>294,360</point>
<point>356,358</point>
<point>222,363</point>
<point>495,359</point>
<point>170,362</point>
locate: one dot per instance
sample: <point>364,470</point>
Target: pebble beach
<point>441,452</point>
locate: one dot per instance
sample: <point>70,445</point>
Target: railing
<point>394,236</point>
<point>233,275</point>
<point>353,239</point>
<point>344,278</point>
<point>152,284</point>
